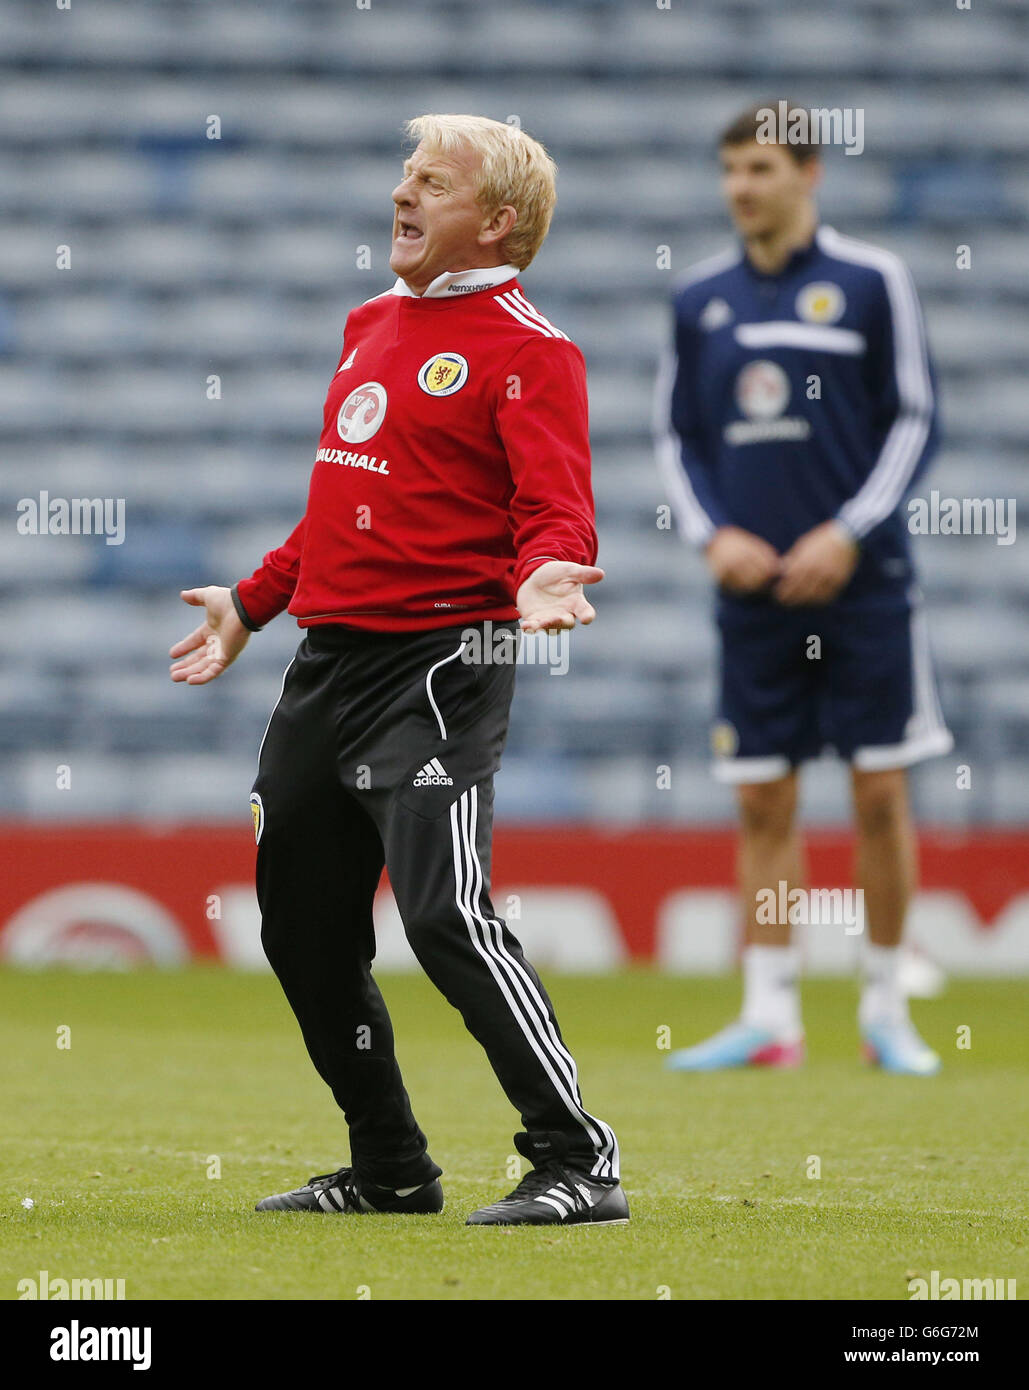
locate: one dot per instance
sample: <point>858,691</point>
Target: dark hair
<point>744,128</point>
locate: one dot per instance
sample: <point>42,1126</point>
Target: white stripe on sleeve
<point>883,489</point>
<point>693,521</point>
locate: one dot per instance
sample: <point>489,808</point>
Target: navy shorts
<point>799,682</point>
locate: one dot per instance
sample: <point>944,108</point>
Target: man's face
<point>437,221</point>
<point>764,186</point>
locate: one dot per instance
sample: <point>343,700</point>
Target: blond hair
<point>515,170</point>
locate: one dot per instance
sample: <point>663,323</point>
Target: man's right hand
<point>208,649</point>
<point>741,561</point>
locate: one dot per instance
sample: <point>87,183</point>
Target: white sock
<point>882,999</point>
<point>771,996</point>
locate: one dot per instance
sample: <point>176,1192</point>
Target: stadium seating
<point>237,258</point>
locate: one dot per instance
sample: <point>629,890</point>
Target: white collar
<point>457,283</point>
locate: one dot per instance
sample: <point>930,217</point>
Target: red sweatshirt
<point>453,461</point>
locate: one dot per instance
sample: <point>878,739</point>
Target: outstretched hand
<point>552,597</point>
<point>215,644</point>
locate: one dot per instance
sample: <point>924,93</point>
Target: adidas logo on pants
<point>433,774</point>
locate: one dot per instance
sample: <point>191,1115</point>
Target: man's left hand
<point>817,566</point>
<point>552,597</point>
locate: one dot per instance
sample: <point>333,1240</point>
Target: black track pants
<point>382,750</point>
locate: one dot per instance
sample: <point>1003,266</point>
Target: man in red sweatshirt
<point>449,506</point>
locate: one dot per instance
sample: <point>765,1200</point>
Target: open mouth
<point>407,231</point>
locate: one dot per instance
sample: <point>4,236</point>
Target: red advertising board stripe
<point>635,870</point>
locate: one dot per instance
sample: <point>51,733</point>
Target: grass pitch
<point>172,1076</point>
